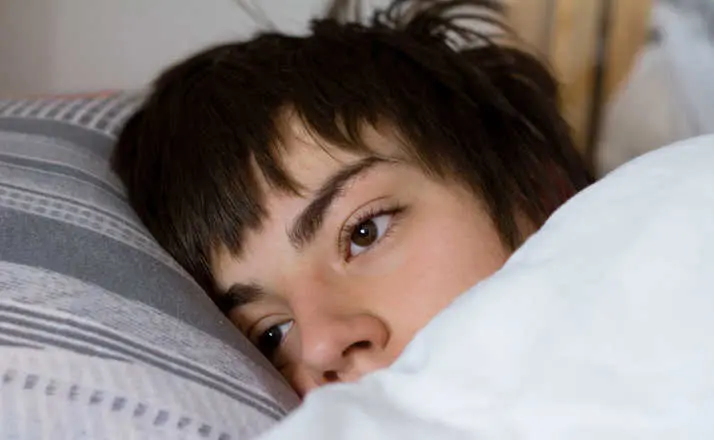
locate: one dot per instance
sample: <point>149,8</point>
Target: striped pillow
<point>102,334</point>
<point>102,113</point>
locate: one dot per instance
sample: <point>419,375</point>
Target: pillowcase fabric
<point>102,334</point>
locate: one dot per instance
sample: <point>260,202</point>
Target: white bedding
<point>600,327</point>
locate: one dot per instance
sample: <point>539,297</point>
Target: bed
<point>599,327</point>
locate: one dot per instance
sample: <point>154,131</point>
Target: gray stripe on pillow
<point>98,143</point>
<point>55,151</point>
<point>105,114</point>
<point>124,348</point>
<point>134,276</point>
<point>57,201</point>
<point>85,339</point>
<point>59,247</point>
<point>8,342</point>
<point>61,170</point>
<point>84,216</point>
<point>66,188</point>
<point>51,340</point>
<point>56,297</point>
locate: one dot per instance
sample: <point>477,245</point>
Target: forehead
<point>310,159</point>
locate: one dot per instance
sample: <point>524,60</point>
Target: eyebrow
<point>309,221</point>
<point>239,295</point>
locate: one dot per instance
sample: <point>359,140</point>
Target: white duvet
<point>600,327</point>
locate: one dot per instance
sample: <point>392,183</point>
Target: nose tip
<point>344,374</point>
<point>344,348</point>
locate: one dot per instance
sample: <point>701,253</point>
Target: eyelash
<point>351,226</point>
<point>254,335</point>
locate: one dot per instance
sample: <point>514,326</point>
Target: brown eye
<point>368,233</point>
<point>365,234</point>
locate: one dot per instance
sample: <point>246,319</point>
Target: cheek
<point>463,254</point>
<point>428,273</point>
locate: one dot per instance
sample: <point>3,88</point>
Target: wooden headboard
<point>591,46</point>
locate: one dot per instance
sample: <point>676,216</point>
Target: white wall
<point>49,46</point>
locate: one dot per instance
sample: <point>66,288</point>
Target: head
<point>333,192</point>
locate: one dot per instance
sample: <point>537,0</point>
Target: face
<point>338,280</point>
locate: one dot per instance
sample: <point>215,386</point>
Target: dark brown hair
<point>483,113</point>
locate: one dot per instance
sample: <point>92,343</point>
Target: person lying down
<point>598,327</point>
<point>333,192</point>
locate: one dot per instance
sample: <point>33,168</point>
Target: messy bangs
<point>465,107</point>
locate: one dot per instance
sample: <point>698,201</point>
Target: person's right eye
<point>270,340</point>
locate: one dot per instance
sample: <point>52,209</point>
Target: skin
<point>395,247</point>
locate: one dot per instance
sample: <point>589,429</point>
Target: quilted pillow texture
<point>102,334</point>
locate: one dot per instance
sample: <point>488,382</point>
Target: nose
<point>342,348</point>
